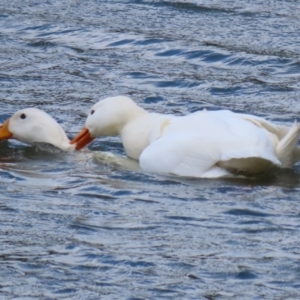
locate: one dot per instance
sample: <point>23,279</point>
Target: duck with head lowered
<point>34,126</point>
<point>202,144</point>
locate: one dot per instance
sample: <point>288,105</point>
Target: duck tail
<point>287,151</point>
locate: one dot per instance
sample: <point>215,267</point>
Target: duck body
<point>34,126</point>
<point>202,144</point>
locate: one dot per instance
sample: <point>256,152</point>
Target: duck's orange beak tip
<point>82,139</point>
<point>4,131</point>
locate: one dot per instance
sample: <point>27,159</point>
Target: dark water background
<point>77,226</point>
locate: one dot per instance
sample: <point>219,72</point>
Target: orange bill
<point>82,139</point>
<point>4,131</point>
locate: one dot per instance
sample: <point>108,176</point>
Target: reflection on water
<point>92,224</point>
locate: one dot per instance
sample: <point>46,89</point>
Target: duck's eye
<point>92,111</point>
<point>23,116</point>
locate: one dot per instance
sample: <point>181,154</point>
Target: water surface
<point>82,226</point>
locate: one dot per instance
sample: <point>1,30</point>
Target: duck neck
<point>135,134</point>
<point>63,144</point>
<point>66,146</point>
<point>60,139</point>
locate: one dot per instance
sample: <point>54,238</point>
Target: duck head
<point>106,118</point>
<point>32,125</point>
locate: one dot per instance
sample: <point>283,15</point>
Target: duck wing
<point>284,138</point>
<point>210,144</point>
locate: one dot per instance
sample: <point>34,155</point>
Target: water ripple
<point>93,225</point>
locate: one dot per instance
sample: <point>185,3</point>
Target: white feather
<point>34,126</point>
<point>202,144</point>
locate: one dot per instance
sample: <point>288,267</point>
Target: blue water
<point>82,226</point>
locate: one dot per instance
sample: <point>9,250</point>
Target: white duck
<point>202,144</point>
<point>33,126</point>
